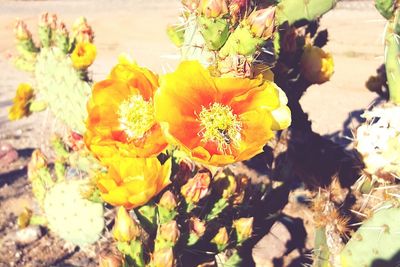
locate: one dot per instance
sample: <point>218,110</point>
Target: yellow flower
<point>316,65</point>
<point>219,121</point>
<point>132,182</point>
<point>83,55</point>
<point>121,114</point>
<point>21,102</point>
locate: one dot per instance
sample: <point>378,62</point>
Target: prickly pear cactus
<point>62,87</point>
<point>392,49</point>
<point>376,240</point>
<point>71,216</point>
<point>66,196</point>
<point>295,10</point>
<point>59,65</point>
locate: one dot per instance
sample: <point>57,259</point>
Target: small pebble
<point>28,235</point>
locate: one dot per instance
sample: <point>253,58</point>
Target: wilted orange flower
<point>219,121</point>
<point>316,65</point>
<point>121,114</point>
<point>83,55</point>
<point>196,188</point>
<point>21,101</point>
<point>132,182</point>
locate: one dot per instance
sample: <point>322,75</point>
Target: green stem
<point>392,63</point>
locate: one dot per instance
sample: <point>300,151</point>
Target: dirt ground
<point>137,27</point>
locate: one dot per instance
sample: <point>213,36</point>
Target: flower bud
<point>235,9</point>
<point>191,5</point>
<point>21,31</point>
<point>316,65</point>
<point>242,183</point>
<point>75,140</point>
<point>244,228</point>
<point>163,258</point>
<point>37,162</point>
<point>196,188</point>
<point>44,20</point>
<point>110,260</point>
<point>262,22</point>
<point>168,234</point>
<point>168,201</point>
<point>221,239</point>
<point>82,31</point>
<point>53,21</point>
<point>213,8</point>
<point>24,218</point>
<point>197,227</point>
<point>125,228</point>
<point>62,29</point>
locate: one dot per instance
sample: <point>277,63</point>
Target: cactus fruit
<point>377,238</point>
<point>71,216</point>
<point>295,10</point>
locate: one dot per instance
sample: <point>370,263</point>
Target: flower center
<point>136,116</point>
<point>221,126</point>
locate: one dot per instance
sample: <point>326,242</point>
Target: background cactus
<point>74,218</point>
<point>58,83</point>
<point>375,242</point>
<point>62,87</point>
<point>66,195</point>
<point>392,49</point>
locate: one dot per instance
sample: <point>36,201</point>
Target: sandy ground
<point>137,27</point>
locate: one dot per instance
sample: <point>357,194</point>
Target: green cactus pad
<point>392,64</point>
<point>385,7</point>
<point>194,46</point>
<point>215,31</point>
<point>241,42</point>
<point>62,87</point>
<point>295,10</point>
<point>72,217</point>
<point>377,239</point>
<point>176,34</point>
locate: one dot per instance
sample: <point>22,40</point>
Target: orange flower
<point>21,102</point>
<point>83,55</point>
<point>132,182</point>
<point>121,114</point>
<point>219,121</point>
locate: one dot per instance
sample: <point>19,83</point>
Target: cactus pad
<point>377,238</point>
<point>72,217</point>
<point>295,10</point>
<point>62,87</point>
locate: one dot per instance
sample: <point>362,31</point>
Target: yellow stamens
<point>220,125</point>
<point>136,116</point>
